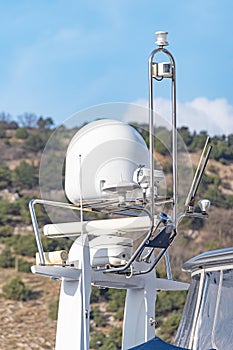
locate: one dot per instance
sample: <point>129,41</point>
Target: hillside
<point>29,324</point>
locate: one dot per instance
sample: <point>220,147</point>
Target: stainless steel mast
<point>159,71</point>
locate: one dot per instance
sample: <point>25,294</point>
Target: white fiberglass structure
<point>110,172</point>
<point>102,155</point>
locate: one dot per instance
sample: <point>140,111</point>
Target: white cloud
<point>213,116</point>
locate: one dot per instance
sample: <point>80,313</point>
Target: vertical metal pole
<point>36,230</point>
<point>85,286</point>
<point>151,137</point>
<point>174,133</point>
<point>174,143</point>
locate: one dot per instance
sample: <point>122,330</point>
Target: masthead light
<point>161,38</point>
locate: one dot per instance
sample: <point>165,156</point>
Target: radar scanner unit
<point>102,158</point>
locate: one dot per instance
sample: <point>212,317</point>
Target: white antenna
<point>198,173</point>
<point>83,239</point>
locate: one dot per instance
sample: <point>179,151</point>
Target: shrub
<point>119,315</point>
<point>34,143</point>
<point>98,317</point>
<point>15,289</point>
<point>167,167</point>
<point>24,266</point>
<point>109,344</point>
<point>169,326</point>
<point>169,306</point>
<point>5,177</point>
<point>229,201</point>
<point>211,245</point>
<point>23,208</point>
<point>116,299</point>
<point>4,213</point>
<point>56,244</point>
<point>168,301</point>
<point>99,294</point>
<point>116,334</point>
<point>53,309</point>
<point>6,258</point>
<point>25,176</point>
<point>97,339</point>
<point>5,231</point>
<point>2,134</point>
<point>21,133</point>
<point>25,245</point>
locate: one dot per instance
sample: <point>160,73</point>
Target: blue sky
<point>59,57</point>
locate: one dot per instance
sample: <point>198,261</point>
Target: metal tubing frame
<point>201,172</point>
<point>157,259</point>
<point>189,196</point>
<point>121,269</point>
<point>174,132</point>
<point>32,204</point>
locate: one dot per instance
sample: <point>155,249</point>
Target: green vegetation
<point>98,317</point>
<point>112,342</point>
<point>116,299</point>
<point>21,133</point>
<point>6,258</point>
<point>21,145</point>
<point>5,177</point>
<point>222,145</point>
<point>22,265</point>
<point>53,309</point>
<point>25,176</point>
<point>15,289</point>
<point>169,307</point>
<point>97,340</point>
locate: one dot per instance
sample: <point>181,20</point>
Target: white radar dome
<point>103,154</point>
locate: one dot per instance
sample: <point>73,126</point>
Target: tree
<point>230,140</point>
<point>185,135</point>
<point>198,140</point>
<point>99,295</point>
<point>28,120</point>
<point>45,123</point>
<point>163,141</point>
<point>5,117</point>
<point>25,176</point>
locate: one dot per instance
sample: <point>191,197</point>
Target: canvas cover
<point>157,344</point>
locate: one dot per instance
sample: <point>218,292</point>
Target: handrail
<point>174,129</point>
<point>32,204</point>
